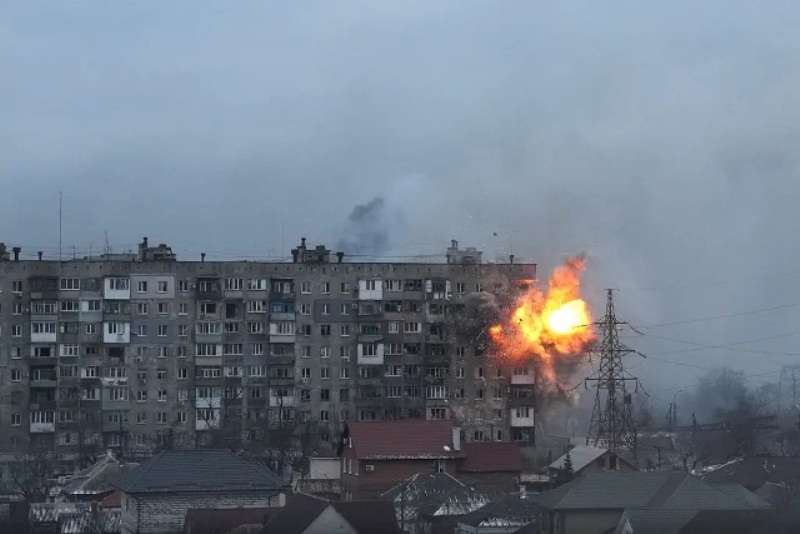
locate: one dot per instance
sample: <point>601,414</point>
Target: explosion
<point>550,326</point>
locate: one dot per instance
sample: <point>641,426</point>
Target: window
<point>183,286</point>
<point>162,286</point>
<point>91,329</point>
<point>523,412</point>
<point>232,349</point>
<point>412,327</point>
<point>141,330</point>
<point>207,329</point>
<point>181,417</point>
<point>141,418</point>
<point>324,329</point>
<point>70,350</point>
<point>118,394</point>
<point>344,288</point>
<point>370,349</point>
<point>393,285</point>
<point>181,351</point>
<point>344,352</point>
<point>16,419</point>
<point>344,373</point>
<point>394,327</point>
<point>257,349</point>
<point>438,413</point>
<point>141,286</point>
<point>16,375</point>
<point>345,309</point>
<point>324,372</point>
<point>182,308</point>
<point>161,418</point>
<point>183,373</point>
<point>142,308</point>
<point>479,372</point>
<point>205,349</point>
<point>40,328</point>
<point>305,372</point>
<point>369,285</point>
<point>324,416</point>
<point>305,351</point>
<point>162,395</point>
<point>305,309</point>
<point>161,374</point>
<point>16,286</point>
<point>68,306</point>
<point>436,392</point>
<point>208,308</point>
<point>69,284</point>
<point>118,284</point>
<point>257,284</point>
<point>305,287</point>
<point>324,351</point>
<point>233,284</point>
<point>344,330</point>
<point>163,308</point>
<point>326,287</point>
<point>394,392</point>
<point>163,351</point>
<point>255,327</point>
<point>183,330</point>
<point>256,306</point>
<point>141,396</point>
<point>163,330</point>
<point>18,308</point>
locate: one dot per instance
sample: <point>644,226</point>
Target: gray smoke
<point>367,230</point>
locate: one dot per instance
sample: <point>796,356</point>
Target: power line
<point>723,316</point>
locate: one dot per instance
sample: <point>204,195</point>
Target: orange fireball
<point>548,325</point>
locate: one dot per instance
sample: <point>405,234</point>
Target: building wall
<point>165,513</point>
<point>589,522</point>
<point>144,391</point>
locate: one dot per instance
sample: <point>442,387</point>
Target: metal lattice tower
<point>612,419</point>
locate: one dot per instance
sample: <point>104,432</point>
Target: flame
<point>547,325</point>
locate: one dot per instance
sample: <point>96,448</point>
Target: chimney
<point>303,242</point>
<point>202,257</point>
<point>456,438</point>
<point>511,258</point>
<point>454,243</point>
<point>40,255</point>
<point>294,255</point>
<point>144,241</point>
<point>16,251</point>
<point>339,257</point>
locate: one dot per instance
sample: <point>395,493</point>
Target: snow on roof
<point>582,455</point>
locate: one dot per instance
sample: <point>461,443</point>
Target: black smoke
<point>367,229</point>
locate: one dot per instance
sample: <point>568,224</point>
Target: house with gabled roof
<point>595,502</point>
<point>376,454</point>
<point>587,459</point>
<point>307,514</point>
<point>157,494</point>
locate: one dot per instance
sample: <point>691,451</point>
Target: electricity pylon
<point>612,419</point>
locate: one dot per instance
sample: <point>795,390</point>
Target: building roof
<point>404,439</point>
<point>581,455</point>
<point>433,494</point>
<point>97,478</point>
<point>215,520</point>
<point>655,521</point>
<point>76,518</point>
<point>515,510</point>
<point>754,471</point>
<point>489,457</point>
<point>654,489</point>
<point>300,511</point>
<point>369,517</point>
<point>199,470</point>
<point>365,517</point>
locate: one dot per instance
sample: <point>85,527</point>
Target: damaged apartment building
<point>140,351</point>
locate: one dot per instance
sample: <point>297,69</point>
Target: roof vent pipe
<point>202,257</point>
<point>16,251</point>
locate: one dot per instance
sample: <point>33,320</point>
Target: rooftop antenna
<point>108,246</point>
<point>60,202</point>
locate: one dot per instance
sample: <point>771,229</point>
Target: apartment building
<point>132,352</point>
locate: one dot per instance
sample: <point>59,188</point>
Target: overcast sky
<point>659,138</point>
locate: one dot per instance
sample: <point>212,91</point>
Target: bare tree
<point>31,474</point>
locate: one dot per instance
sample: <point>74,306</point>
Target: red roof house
<point>377,454</point>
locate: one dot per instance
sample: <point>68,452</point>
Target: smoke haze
<point>660,138</point>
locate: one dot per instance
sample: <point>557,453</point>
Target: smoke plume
<point>367,229</point>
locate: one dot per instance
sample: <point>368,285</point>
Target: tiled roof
<point>433,494</point>
<point>488,457</point>
<point>98,477</point>
<point>515,510</point>
<point>658,489</point>
<point>214,520</point>
<point>369,517</point>
<point>199,470</point>
<point>405,439</point>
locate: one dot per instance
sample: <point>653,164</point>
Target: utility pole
<point>612,418</point>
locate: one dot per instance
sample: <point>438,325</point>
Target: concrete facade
<point>138,352</point>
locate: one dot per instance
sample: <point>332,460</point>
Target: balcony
<point>285,402</point>
<point>524,377</point>
<point>43,337</point>
<point>522,417</point>
<point>116,289</point>
<point>370,354</point>
<point>116,332</point>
